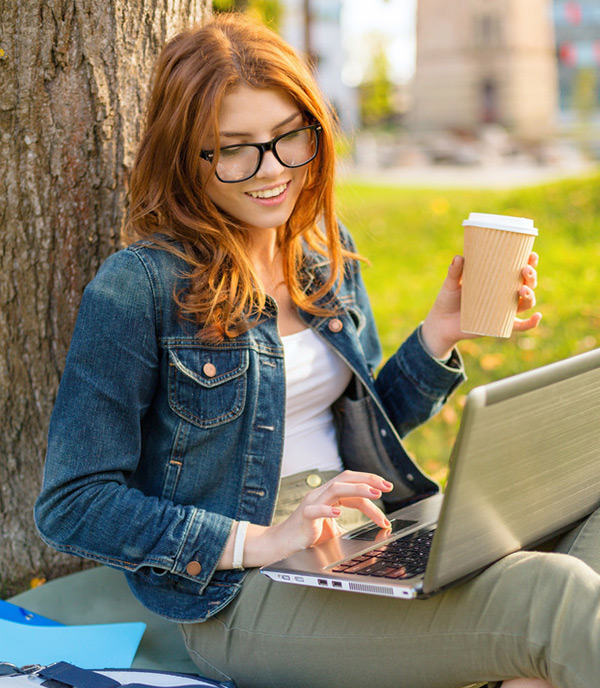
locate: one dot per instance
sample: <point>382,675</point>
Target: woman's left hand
<point>441,329</point>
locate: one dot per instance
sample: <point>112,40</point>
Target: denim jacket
<point>153,453</point>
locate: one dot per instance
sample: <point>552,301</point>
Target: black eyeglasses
<point>242,161</point>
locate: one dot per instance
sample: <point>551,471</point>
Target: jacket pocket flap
<point>210,368</point>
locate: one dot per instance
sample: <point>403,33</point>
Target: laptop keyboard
<point>405,557</point>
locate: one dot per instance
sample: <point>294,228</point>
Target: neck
<point>266,258</point>
<point>263,249</point>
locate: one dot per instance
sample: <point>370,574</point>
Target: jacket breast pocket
<point>206,387</point>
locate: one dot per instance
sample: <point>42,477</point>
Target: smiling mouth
<point>269,193</point>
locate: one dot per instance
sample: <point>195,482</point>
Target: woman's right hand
<point>314,521</point>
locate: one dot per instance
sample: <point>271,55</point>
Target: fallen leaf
<point>491,361</point>
<point>449,415</point>
<point>468,346</point>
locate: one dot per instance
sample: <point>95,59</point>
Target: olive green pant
<point>532,614</point>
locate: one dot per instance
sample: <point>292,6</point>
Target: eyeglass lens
<point>241,162</point>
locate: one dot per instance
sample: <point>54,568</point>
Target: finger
<point>370,478</point>
<point>370,510</point>
<point>528,324</point>
<point>453,278</point>
<point>529,276</point>
<point>356,477</point>
<point>526,299</point>
<point>312,512</point>
<point>338,491</point>
<point>533,259</point>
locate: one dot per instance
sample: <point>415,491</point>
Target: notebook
<point>524,467</point>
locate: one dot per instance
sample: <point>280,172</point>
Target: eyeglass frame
<point>263,148</point>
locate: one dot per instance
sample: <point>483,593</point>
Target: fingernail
<point>388,484</point>
<point>375,492</point>
<point>335,511</point>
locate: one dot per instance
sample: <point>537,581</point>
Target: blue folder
<point>97,646</point>
<point>28,638</point>
<point>12,612</point>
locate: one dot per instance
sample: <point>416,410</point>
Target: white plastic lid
<point>508,223</point>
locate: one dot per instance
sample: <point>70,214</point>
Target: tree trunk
<point>74,77</point>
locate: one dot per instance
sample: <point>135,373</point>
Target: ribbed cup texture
<point>494,260</point>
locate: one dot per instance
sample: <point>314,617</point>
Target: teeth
<point>268,193</point>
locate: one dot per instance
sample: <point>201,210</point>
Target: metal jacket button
<point>313,480</point>
<point>335,325</point>
<point>209,370</point>
<point>194,568</point>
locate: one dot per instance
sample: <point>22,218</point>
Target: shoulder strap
<point>65,674</point>
<point>75,677</point>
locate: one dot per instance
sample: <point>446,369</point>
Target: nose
<point>269,165</point>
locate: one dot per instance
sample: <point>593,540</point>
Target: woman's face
<point>252,115</point>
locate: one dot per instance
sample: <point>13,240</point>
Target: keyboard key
<point>363,565</point>
<point>384,571</point>
<point>370,570</point>
<point>400,572</point>
<point>402,558</point>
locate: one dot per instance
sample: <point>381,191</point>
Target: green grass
<point>410,236</point>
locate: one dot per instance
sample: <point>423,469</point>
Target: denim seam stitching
<point>177,456</point>
<point>154,282</point>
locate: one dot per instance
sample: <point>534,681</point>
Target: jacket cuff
<point>435,378</point>
<point>203,545</point>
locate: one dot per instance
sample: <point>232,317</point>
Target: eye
<point>292,134</point>
<point>231,152</point>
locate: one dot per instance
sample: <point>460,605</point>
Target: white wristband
<point>238,545</point>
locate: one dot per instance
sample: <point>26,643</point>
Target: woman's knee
<point>540,614</point>
<point>524,593</point>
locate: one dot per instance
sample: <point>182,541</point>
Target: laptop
<point>525,467</point>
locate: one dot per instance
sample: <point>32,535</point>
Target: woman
<point>220,385</point>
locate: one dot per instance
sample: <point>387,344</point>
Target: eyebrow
<point>234,134</point>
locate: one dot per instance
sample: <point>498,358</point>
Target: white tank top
<point>315,378</point>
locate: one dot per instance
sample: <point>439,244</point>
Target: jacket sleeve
<point>86,506</point>
<point>412,385</point>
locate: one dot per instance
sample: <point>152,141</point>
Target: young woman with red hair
<point>220,407</point>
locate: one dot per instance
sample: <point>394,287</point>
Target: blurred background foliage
<point>267,11</point>
<point>410,236</point>
<point>377,93</point>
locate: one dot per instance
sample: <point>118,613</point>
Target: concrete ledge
<point>101,595</point>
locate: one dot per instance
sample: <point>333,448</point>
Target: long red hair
<point>195,70</point>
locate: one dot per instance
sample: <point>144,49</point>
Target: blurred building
<point>485,61</point>
<point>577,26</point>
<point>313,28</point>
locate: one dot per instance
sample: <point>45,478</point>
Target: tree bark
<point>74,77</point>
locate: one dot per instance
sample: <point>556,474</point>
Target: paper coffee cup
<point>496,249</point>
